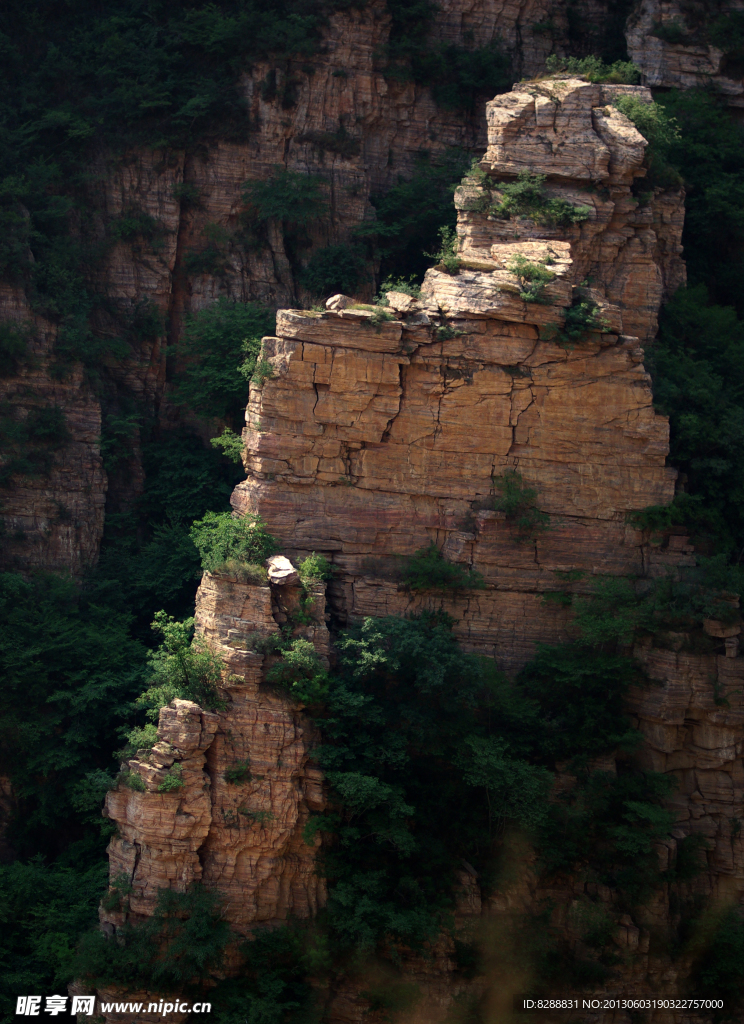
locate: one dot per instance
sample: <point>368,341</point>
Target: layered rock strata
<point>376,436</point>
<point>669,40</point>
<point>236,821</point>
<point>337,113</point>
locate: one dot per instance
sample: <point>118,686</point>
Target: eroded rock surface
<point>247,791</point>
<point>349,122</point>
<point>373,437</point>
<point>670,42</point>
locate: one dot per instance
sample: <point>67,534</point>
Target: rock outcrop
<point>670,42</point>
<point>336,113</point>
<point>247,788</point>
<point>376,436</point>
<point>383,430</point>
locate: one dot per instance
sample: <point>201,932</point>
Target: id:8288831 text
<point>525,1004</point>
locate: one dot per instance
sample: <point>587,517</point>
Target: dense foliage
<point>457,75</point>
<point>148,559</point>
<point>696,367</point>
<point>219,348</point>
<point>594,69</point>
<point>70,670</point>
<point>223,538</point>
<point>44,910</point>
<point>709,154</point>
<point>183,666</point>
<point>412,212</point>
<point>428,569</point>
<point>182,942</point>
<point>696,361</point>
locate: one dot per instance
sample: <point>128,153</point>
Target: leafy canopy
<point>182,942</point>
<point>183,666</point>
<point>410,214</point>
<point>219,347</point>
<point>428,569</point>
<point>696,367</point>
<point>660,131</point>
<point>286,196</point>
<point>69,669</point>
<point>430,753</point>
<point>222,537</point>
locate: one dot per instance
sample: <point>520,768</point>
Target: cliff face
<point>374,437</point>
<point>371,440</point>
<point>240,833</point>
<point>335,113</point>
<point>671,42</point>
<point>53,490</point>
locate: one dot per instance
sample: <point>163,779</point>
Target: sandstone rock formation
<point>248,789</point>
<point>669,41</point>
<point>349,122</point>
<point>373,438</point>
<point>378,434</point>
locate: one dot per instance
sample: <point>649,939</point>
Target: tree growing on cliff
<point>518,502</point>
<point>183,666</point>
<point>428,569</point>
<point>223,537</point>
<point>660,131</point>
<point>219,348</point>
<point>287,196</point>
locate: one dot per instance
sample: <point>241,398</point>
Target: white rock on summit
<point>281,571</point>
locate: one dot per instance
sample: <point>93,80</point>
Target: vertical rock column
<point>374,438</point>
<point>160,833</point>
<point>248,787</point>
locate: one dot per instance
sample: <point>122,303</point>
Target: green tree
<point>219,348</point>
<point>44,909</point>
<point>222,538</point>
<point>182,942</point>
<point>709,154</point>
<point>286,196</point>
<point>696,367</point>
<point>428,569</point>
<point>70,669</point>
<point>183,666</point>
<point>410,214</point>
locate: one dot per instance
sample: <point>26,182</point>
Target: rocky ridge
<point>377,434</point>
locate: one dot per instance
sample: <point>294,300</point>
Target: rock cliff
<point>671,43</point>
<point>378,434</point>
<point>372,439</point>
<point>241,830</point>
<point>53,490</point>
<point>337,113</point>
